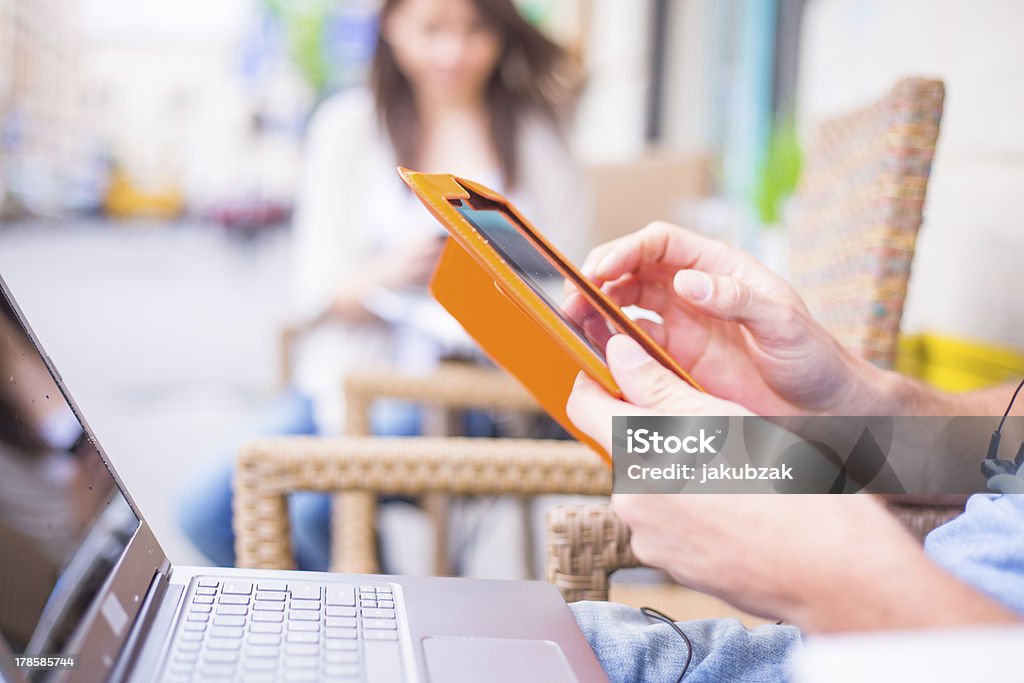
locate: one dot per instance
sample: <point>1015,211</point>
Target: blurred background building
<point>150,152</point>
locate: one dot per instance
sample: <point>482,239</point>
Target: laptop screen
<point>64,523</point>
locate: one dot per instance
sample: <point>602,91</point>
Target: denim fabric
<point>633,648</point>
<point>204,509</point>
<point>983,547</point>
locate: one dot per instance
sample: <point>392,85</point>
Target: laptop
<point>87,593</point>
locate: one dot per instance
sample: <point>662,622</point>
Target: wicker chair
<point>854,218</point>
<point>360,468</point>
<point>853,228</point>
<point>452,387</point>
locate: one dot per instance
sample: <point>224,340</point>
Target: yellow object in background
<point>129,199</point>
<point>958,364</point>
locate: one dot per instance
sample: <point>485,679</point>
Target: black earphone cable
<point>652,613</point>
<point>1010,406</point>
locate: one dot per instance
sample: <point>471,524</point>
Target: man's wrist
<point>877,391</point>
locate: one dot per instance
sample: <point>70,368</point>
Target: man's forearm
<point>883,392</point>
<point>912,596</point>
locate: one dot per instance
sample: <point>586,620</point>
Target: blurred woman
<point>460,86</point>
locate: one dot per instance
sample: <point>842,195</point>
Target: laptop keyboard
<point>236,630</point>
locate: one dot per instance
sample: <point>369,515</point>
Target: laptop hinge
<point>130,658</point>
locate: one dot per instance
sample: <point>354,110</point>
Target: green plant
<point>779,172</point>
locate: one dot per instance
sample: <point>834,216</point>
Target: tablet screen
<point>539,274</point>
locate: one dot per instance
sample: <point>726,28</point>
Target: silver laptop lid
<point>77,557</point>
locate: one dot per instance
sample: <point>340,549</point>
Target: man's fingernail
<point>627,353</point>
<point>694,284</point>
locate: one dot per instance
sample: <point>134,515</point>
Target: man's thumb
<point>644,382</point>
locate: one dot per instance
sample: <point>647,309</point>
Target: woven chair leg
<point>260,514</point>
<point>353,533</point>
<point>525,504</point>
<point>438,507</point>
<point>586,544</point>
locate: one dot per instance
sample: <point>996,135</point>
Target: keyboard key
<point>273,586</point>
<point>380,624</point>
<point>341,595</point>
<point>234,600</point>
<point>185,656</point>
<point>215,670</point>
<point>342,645</point>
<point>306,590</point>
<point>304,658</point>
<point>260,677</point>
<point>209,583</point>
<point>334,611</point>
<point>260,664</point>
<point>342,657</point>
<point>301,603</point>
<point>262,627</point>
<point>367,589</point>
<point>385,589</point>
<point>264,639</point>
<point>276,596</point>
<point>380,635</point>
<point>264,606</point>
<point>262,651</point>
<point>301,637</point>
<point>268,616</point>
<point>304,626</point>
<point>342,622</point>
<point>226,632</point>
<point>228,620</point>
<point>385,604</point>
<point>237,588</point>
<point>342,671</point>
<point>238,610</point>
<point>198,616</point>
<point>206,591</point>
<point>343,633</point>
<point>372,604</point>
<point>191,637</point>
<point>301,675</point>
<point>195,626</point>
<point>202,600</point>
<point>220,656</point>
<point>304,616</point>
<point>223,644</point>
<point>201,609</point>
<point>189,646</point>
<point>379,613</point>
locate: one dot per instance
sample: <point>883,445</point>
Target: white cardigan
<point>352,205</point>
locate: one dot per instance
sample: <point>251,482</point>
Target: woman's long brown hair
<point>532,73</point>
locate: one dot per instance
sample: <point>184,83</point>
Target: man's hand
<point>739,329</point>
<point>823,563</point>
<point>648,388</point>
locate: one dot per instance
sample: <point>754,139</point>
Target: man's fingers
<point>645,382</point>
<point>770,319</point>
<point>591,409</point>
<point>662,244</point>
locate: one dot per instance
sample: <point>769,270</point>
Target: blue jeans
<point>635,649</point>
<point>204,510</point>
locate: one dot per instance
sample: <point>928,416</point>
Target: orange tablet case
<point>510,322</point>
